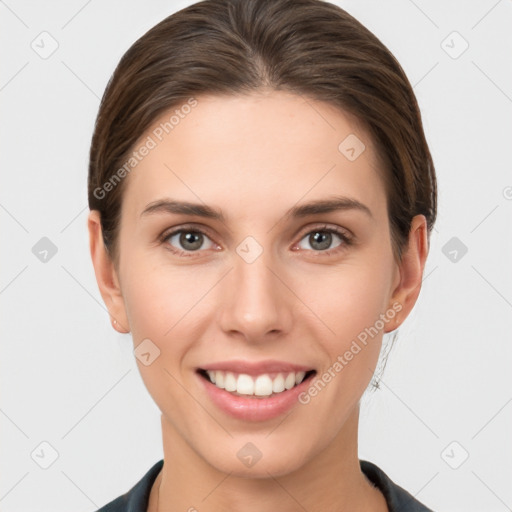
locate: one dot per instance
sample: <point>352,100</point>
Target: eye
<point>187,240</point>
<point>321,240</point>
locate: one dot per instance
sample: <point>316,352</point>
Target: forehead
<point>256,150</point>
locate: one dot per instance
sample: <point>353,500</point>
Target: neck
<point>331,482</point>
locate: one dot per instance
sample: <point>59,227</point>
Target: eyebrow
<point>327,205</point>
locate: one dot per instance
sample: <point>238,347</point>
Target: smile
<point>254,391</point>
<point>263,385</point>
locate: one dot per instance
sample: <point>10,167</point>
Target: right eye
<point>184,241</point>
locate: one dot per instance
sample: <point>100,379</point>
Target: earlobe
<point>410,271</point>
<point>106,275</point>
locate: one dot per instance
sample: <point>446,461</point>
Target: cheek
<point>157,297</point>
<point>160,304</point>
<point>348,299</point>
<point>345,298</point>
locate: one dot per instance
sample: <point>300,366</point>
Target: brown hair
<point>308,47</point>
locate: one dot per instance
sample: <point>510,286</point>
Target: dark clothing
<point>398,499</point>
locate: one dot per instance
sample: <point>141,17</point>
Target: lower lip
<point>254,408</point>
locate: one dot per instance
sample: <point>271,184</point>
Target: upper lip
<point>256,368</point>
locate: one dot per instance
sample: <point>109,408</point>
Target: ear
<point>106,275</point>
<point>409,273</point>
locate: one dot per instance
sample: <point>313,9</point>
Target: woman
<point>262,197</point>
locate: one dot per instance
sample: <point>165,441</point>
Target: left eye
<point>321,239</point>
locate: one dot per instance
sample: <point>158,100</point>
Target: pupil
<point>192,238</point>
<point>323,239</point>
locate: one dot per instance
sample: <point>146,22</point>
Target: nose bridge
<point>256,305</point>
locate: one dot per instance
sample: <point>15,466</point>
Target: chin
<point>259,456</point>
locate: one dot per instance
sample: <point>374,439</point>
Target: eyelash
<point>344,236</point>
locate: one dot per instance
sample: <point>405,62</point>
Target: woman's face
<point>261,287</point>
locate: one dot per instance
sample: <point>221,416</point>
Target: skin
<point>253,157</point>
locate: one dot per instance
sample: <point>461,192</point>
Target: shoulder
<point>397,498</point>
<point>136,499</point>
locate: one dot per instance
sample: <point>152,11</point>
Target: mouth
<point>256,385</point>
<point>254,391</point>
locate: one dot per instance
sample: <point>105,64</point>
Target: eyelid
<point>343,232</point>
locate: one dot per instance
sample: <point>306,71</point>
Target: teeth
<point>289,382</point>
<point>245,384</point>
<point>230,383</point>
<point>262,385</point>
<point>278,384</point>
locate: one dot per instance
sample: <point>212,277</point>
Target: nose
<point>257,305</point>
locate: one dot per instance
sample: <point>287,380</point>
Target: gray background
<point>69,380</point>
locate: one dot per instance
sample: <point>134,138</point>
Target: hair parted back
<point>229,47</point>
